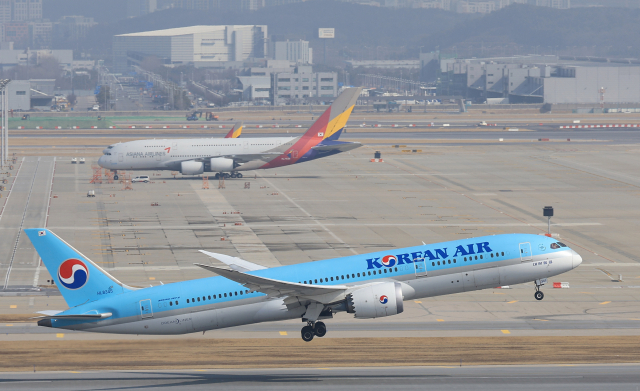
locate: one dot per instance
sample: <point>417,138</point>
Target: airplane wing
<point>235,263</point>
<point>274,288</point>
<point>240,158</point>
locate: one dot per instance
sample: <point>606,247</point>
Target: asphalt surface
<point>495,378</point>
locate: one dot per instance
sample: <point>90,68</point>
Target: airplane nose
<point>101,161</point>
<point>577,259</point>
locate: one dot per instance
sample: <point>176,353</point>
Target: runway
<point>495,378</point>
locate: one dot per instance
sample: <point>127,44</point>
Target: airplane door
<point>145,309</point>
<point>245,144</point>
<point>525,252</point>
<point>420,267</point>
<point>120,157</point>
<point>174,146</point>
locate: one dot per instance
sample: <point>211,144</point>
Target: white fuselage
<point>168,154</point>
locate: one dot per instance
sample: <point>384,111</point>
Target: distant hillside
<point>103,11</point>
<point>365,32</point>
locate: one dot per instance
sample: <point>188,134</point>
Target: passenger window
<point>503,253</point>
<point>476,257</point>
<point>305,282</point>
<point>236,293</point>
<point>225,295</point>
<point>433,263</point>
<point>353,276</point>
<point>369,273</point>
<point>241,292</point>
<point>331,278</point>
<point>449,262</point>
<point>438,263</point>
<point>171,303</point>
<point>465,259</point>
<point>176,302</point>
<point>343,277</point>
<point>198,299</point>
<point>204,298</point>
<point>214,297</point>
<point>385,270</point>
<point>187,301</point>
<point>316,281</point>
<point>481,257</point>
<point>209,297</point>
<point>326,280</point>
<point>358,274</point>
<point>491,255</point>
<point>454,261</point>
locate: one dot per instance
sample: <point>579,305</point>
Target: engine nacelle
<point>191,168</point>
<point>376,301</point>
<point>221,164</point>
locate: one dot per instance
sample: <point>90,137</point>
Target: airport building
<point>298,52</point>
<point>202,46</point>
<point>535,79</point>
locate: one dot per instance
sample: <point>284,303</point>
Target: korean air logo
<point>389,260</point>
<point>73,274</point>
<point>383,299</point>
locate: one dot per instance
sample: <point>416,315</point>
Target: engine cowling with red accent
<point>376,301</point>
<point>221,164</point>
<point>191,168</point>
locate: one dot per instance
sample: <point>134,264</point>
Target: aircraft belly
<point>438,285</point>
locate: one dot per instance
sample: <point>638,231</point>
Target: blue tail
<point>79,280</point>
<point>335,136</point>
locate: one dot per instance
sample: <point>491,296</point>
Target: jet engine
<point>222,164</point>
<point>191,168</point>
<point>376,301</point>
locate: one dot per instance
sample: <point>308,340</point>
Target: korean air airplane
<point>229,156</point>
<point>368,286</point>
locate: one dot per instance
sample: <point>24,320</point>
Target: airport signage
<point>326,33</point>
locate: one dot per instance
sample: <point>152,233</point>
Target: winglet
<point>236,131</point>
<point>235,263</point>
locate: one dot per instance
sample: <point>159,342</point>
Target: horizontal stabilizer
<point>336,146</point>
<point>274,288</point>
<point>77,316</point>
<point>235,263</point>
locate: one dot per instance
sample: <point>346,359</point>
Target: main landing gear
<point>115,175</point>
<point>313,329</point>
<point>539,295</point>
<point>225,175</point>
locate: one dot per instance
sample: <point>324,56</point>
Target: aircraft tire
<point>539,295</point>
<point>217,175</point>
<point>234,175</point>
<point>307,333</point>
<point>320,329</point>
<point>238,175</point>
<point>115,177</point>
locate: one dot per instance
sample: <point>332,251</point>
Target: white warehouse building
<point>202,46</point>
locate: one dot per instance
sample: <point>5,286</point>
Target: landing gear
<point>320,329</point>
<point>115,177</point>
<point>313,329</point>
<point>539,295</point>
<point>234,175</point>
<point>225,175</point>
<point>307,333</point>
<point>238,175</point>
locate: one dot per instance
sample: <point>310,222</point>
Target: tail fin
<point>235,131</point>
<point>334,119</point>
<point>78,278</point>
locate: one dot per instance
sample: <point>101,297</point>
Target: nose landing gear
<point>539,295</point>
<point>313,329</point>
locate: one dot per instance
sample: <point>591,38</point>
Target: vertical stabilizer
<point>78,278</point>
<point>236,131</point>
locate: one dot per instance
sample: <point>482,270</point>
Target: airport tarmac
<point>343,205</point>
<point>557,377</point>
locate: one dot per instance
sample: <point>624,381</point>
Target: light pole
<point>4,97</point>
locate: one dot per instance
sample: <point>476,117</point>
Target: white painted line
<point>11,189</point>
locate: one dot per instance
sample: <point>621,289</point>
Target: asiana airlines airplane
<point>367,286</point>
<point>229,156</point>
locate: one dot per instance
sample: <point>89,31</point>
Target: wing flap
<point>342,147</point>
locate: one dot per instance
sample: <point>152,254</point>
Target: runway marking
<point>74,372</point>
<point>505,331</point>
<point>324,227</point>
<point>440,320</point>
<point>512,301</point>
<point>541,320</point>
<point>283,333</point>
<point>152,278</point>
<point>60,335</point>
<point>13,306</point>
<point>417,302</point>
<point>9,325</point>
<point>605,302</point>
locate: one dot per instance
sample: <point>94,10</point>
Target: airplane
<point>236,131</point>
<point>227,157</point>
<point>368,286</point>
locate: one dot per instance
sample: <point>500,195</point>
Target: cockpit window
<point>562,244</point>
<point>110,147</point>
<point>555,246</point>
